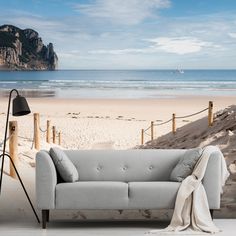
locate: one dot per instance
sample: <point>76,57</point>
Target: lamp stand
<point>5,154</point>
<point>5,137</point>
<point>22,185</point>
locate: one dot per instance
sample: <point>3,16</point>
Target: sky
<point>131,34</point>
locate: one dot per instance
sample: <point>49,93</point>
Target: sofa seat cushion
<point>92,195</point>
<point>152,195</point>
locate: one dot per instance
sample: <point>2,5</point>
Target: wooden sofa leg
<point>212,213</point>
<point>45,218</point>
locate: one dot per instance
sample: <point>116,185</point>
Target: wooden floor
<point>57,228</point>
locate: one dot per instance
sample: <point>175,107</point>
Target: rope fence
<point>48,131</point>
<point>173,120</point>
<point>54,135</point>
<point>13,139</point>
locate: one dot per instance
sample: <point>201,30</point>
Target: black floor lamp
<point>20,108</point>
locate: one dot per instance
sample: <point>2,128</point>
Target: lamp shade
<point>20,106</point>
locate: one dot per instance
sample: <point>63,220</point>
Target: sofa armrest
<point>46,180</point>
<point>212,180</point>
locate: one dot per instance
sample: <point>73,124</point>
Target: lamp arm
<point>14,90</point>
<point>5,136</point>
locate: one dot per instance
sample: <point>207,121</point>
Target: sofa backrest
<point>124,165</point>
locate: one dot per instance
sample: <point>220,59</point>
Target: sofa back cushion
<point>124,165</point>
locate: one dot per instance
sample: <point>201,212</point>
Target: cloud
<point>232,35</point>
<point>36,22</point>
<point>54,30</point>
<point>181,45</point>
<point>176,45</point>
<point>128,12</point>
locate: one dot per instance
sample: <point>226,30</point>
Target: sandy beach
<point>116,124</point>
<point>91,124</point>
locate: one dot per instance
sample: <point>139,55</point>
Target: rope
<point>43,131</point>
<point>147,129</point>
<point>181,117</point>
<point>147,134</point>
<point>27,139</point>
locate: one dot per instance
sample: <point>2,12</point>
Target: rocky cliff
<point>24,50</point>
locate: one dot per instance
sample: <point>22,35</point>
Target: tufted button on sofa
<point>112,179</point>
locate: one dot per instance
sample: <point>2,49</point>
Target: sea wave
<point>121,84</point>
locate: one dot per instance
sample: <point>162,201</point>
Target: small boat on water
<point>179,71</point>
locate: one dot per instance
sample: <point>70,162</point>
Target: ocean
<point>121,84</point>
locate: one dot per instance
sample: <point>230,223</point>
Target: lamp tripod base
<point>21,182</point>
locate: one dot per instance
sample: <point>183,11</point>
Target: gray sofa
<point>112,179</point>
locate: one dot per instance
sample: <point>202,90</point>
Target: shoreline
<point>164,97</point>
<point>50,95</point>
<point>119,84</point>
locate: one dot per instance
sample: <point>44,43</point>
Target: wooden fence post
<point>210,114</point>
<point>142,136</point>
<point>59,138</point>
<point>152,130</point>
<point>54,134</point>
<point>13,146</point>
<point>173,123</point>
<point>36,131</point>
<point>48,137</point>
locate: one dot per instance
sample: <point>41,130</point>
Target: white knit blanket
<point>191,214</point>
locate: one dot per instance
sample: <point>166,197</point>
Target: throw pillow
<point>186,164</point>
<point>64,166</point>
